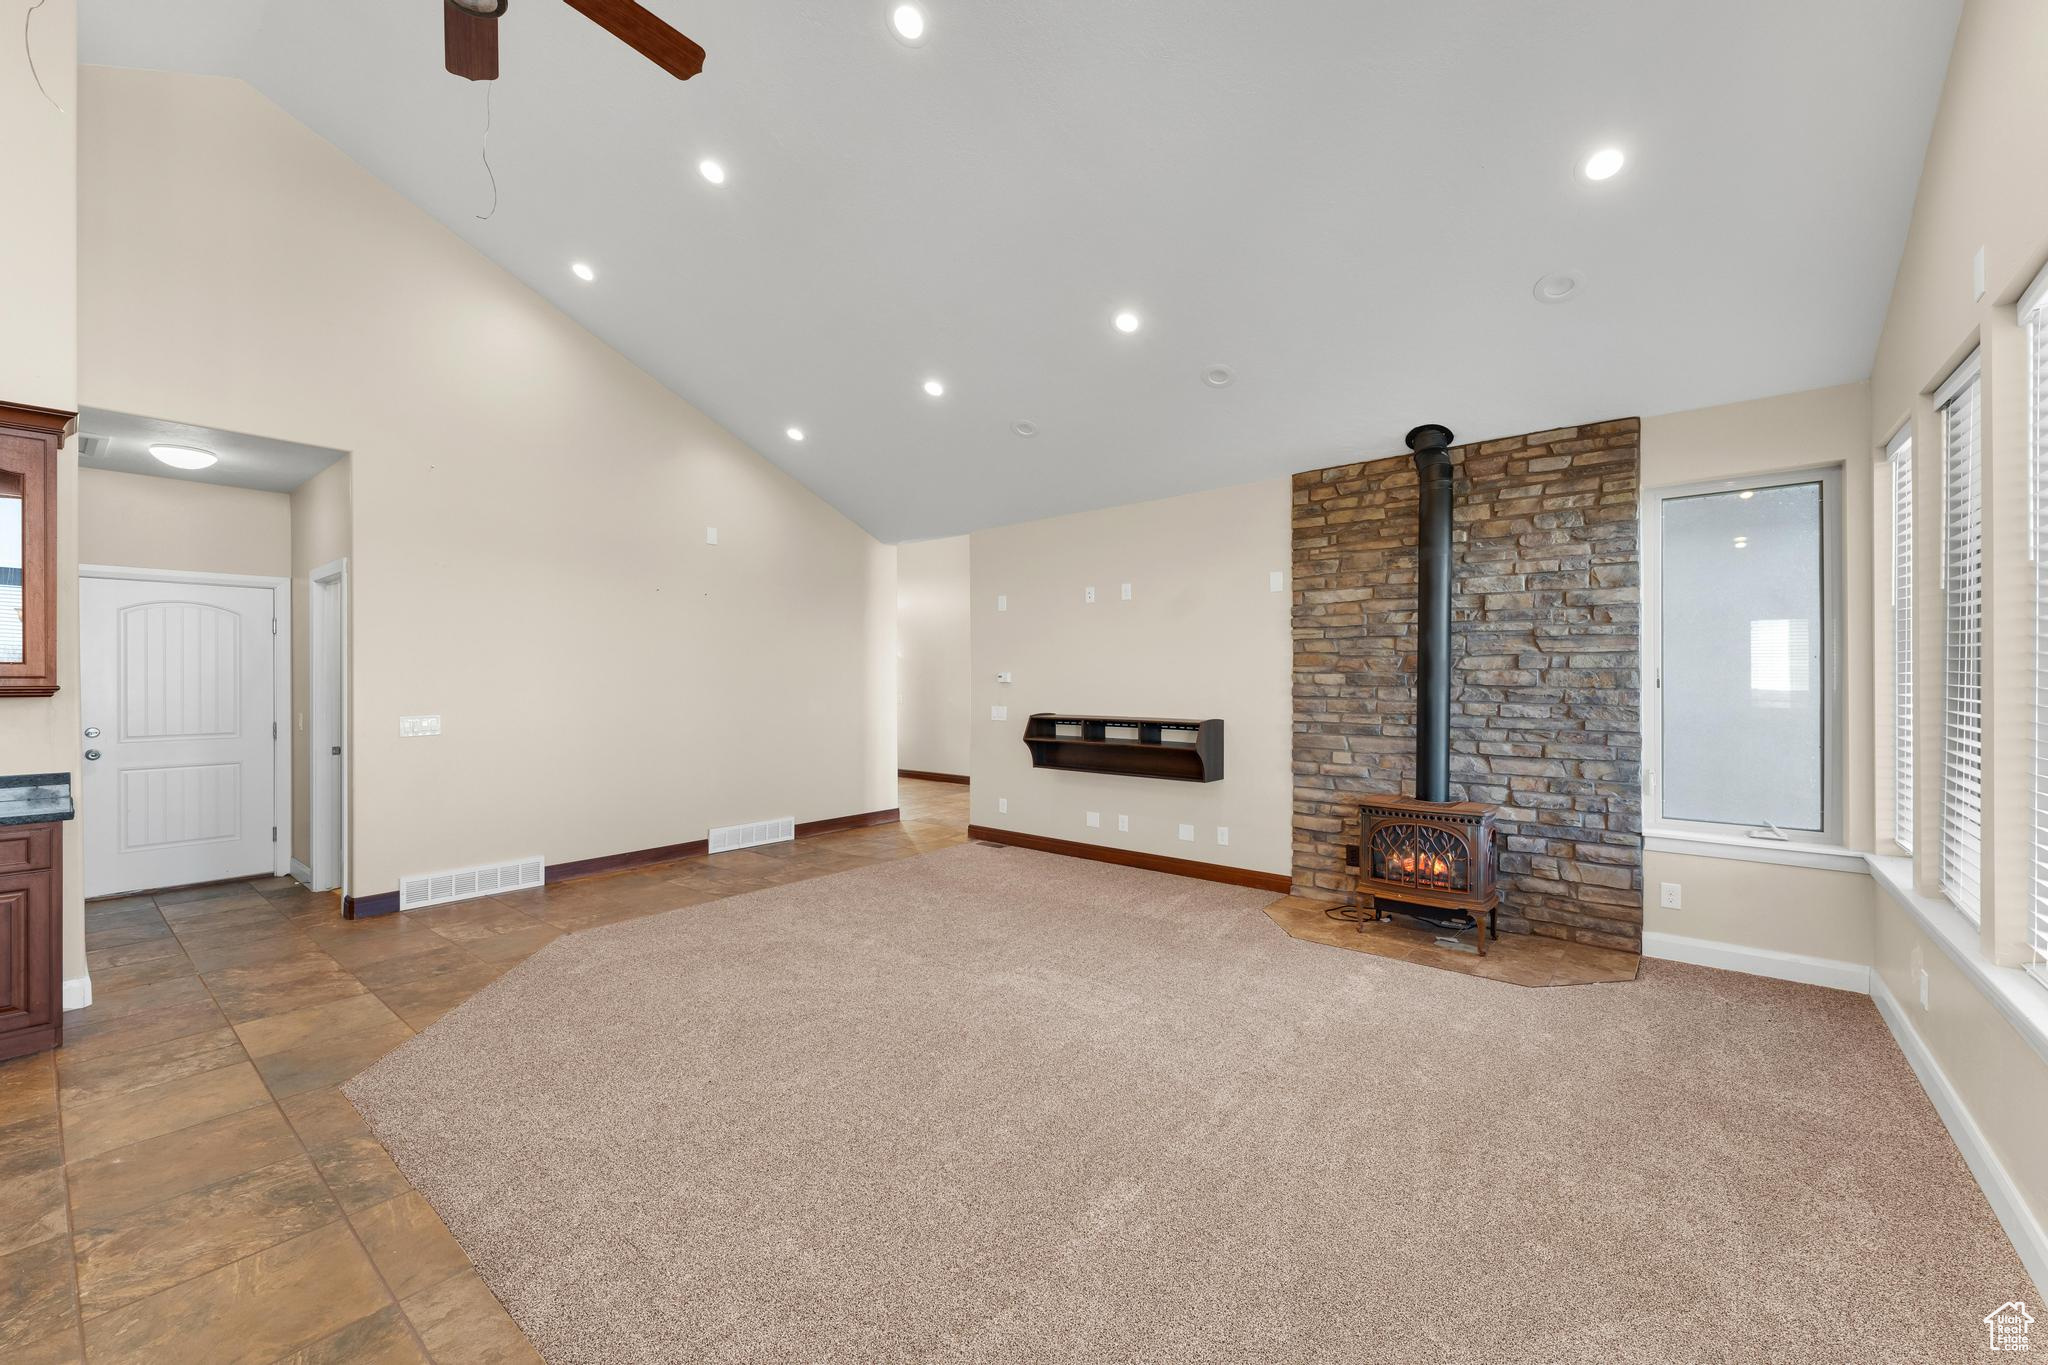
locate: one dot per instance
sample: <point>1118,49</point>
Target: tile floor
<point>182,1181</point>
<point>1518,959</point>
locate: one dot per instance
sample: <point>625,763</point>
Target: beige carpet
<point>995,1105</point>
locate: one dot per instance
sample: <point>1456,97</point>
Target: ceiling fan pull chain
<point>483,217</point>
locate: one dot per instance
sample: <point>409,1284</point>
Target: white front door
<point>177,680</point>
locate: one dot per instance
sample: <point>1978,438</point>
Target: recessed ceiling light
<point>795,433</point>
<point>1558,287</point>
<point>1025,429</point>
<point>711,171</point>
<point>583,272</point>
<point>1218,376</point>
<point>907,22</point>
<point>184,457</point>
<point>1127,321</point>
<point>1604,164</point>
<point>934,388</point>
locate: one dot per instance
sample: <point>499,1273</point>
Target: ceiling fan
<point>471,30</point>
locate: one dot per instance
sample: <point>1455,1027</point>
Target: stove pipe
<point>1431,445</point>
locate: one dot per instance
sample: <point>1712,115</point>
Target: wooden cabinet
<point>29,441</point>
<point>31,941</point>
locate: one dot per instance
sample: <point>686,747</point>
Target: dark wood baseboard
<point>1276,882</point>
<point>861,821</point>
<point>923,776</point>
<point>619,862</point>
<point>368,907</point>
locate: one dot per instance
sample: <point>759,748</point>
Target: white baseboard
<point>302,872</point>
<point>2028,1237</point>
<point>1734,957</point>
<point>77,993</point>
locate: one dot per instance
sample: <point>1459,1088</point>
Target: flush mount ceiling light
<point>795,433</point>
<point>1127,321</point>
<point>583,272</point>
<point>184,457</point>
<point>934,388</point>
<point>1025,429</point>
<point>1218,376</point>
<point>711,171</point>
<point>1604,164</point>
<point>1558,287</point>
<point>907,23</point>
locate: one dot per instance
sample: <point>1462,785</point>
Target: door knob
<point>92,754</point>
<point>92,732</point>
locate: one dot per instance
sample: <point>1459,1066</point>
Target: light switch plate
<point>998,713</point>
<point>418,727</point>
<point>1187,834</point>
<point>1127,592</point>
<point>1276,581</point>
<point>1123,824</point>
<point>711,535</point>
<point>1095,819</point>
<point>1002,805</point>
<point>1002,602</point>
<point>1222,836</point>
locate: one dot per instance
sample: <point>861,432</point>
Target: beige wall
<point>527,550</point>
<point>1981,187</point>
<point>320,534</point>
<point>935,707</point>
<point>1811,911</point>
<point>137,521</point>
<point>1202,637</point>
<point>39,367</point>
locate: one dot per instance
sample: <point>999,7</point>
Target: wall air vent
<point>730,837</point>
<point>438,888</point>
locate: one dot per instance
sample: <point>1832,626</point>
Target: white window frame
<point>1829,477</point>
<point>2033,317</point>
<point>1899,466</point>
<point>1958,851</point>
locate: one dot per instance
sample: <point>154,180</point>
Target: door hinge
<point>273,731</point>
<point>273,834</point>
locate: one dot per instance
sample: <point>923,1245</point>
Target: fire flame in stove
<point>1429,869</point>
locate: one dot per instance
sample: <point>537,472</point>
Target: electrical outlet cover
<point>1123,824</point>
<point>1127,592</point>
<point>1670,896</point>
<point>1187,834</point>
<point>1222,836</point>
<point>1095,819</point>
<point>1088,594</point>
<point>1002,805</point>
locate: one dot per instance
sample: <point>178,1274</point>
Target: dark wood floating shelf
<point>1127,746</point>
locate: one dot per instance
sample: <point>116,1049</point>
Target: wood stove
<point>1429,856</point>
<point>1439,859</point>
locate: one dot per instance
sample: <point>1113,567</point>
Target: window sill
<point>2024,1002</point>
<point>1829,857</point>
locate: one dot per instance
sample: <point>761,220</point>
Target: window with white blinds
<point>1962,652</point>
<point>2034,315</point>
<point>1901,456</point>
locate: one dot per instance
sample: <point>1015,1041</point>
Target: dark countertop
<point>35,798</point>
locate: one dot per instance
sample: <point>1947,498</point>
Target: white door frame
<point>327,705</point>
<point>280,688</point>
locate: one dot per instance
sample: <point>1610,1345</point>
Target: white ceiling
<point>1345,201</point>
<point>121,442</point>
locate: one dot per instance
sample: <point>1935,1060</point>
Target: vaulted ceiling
<point>1347,203</point>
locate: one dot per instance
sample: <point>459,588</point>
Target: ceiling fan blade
<point>471,36</point>
<point>645,34</point>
